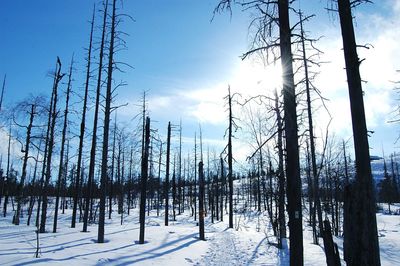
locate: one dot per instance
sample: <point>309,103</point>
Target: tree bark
<point>53,111</point>
<point>292,147</point>
<point>24,165</point>
<point>61,165</point>
<point>1,98</point>
<point>317,202</point>
<point>201,201</point>
<point>230,167</point>
<point>83,122</point>
<point>222,189</point>
<point>166,185</point>
<point>363,245</point>
<point>107,111</point>
<point>6,183</point>
<point>281,174</point>
<point>144,176</point>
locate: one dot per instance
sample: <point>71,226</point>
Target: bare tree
<point>7,181</point>
<point>64,133</point>
<point>230,156</point>
<point>201,201</point>
<point>92,162</point>
<point>83,121</point>
<point>107,111</point>
<point>315,187</point>
<point>32,105</point>
<point>281,173</point>
<point>144,176</point>
<point>53,116</point>
<point>166,182</point>
<point>272,15</point>
<point>361,243</point>
<point>2,91</point>
<point>32,197</point>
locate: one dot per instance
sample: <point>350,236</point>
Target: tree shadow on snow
<point>255,252</point>
<point>49,260</point>
<point>155,252</point>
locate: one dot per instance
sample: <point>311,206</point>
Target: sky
<point>185,59</point>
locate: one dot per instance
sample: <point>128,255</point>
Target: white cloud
<point>161,102</point>
<point>206,104</point>
<point>379,69</point>
<point>15,151</point>
<point>203,102</point>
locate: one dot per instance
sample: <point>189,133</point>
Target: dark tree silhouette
<point>64,133</point>
<point>276,14</point>
<point>19,196</point>
<point>53,116</point>
<point>144,177</point>
<point>201,201</point>
<point>166,182</point>
<point>361,243</point>
<point>83,121</point>
<point>107,111</point>
<point>1,101</point>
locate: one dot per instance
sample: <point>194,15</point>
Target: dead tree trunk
<point>64,133</point>
<point>230,167</point>
<point>174,190</point>
<point>2,95</point>
<point>6,183</point>
<point>331,248</point>
<point>57,79</point>
<point>24,165</point>
<point>195,177</point>
<point>346,169</point>
<point>144,176</point>
<point>180,201</point>
<point>201,201</point>
<point>281,173</point>
<point>259,175</point>
<point>292,147</point>
<point>32,197</point>
<point>159,180</point>
<point>166,185</point>
<point>118,172</point>
<point>270,202</point>
<point>46,146</point>
<point>311,212</point>
<point>97,102</point>
<point>317,202</point>
<point>107,111</point>
<point>111,175</point>
<point>130,180</point>
<point>363,244</point>
<point>83,122</point>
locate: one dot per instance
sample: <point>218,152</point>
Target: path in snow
<point>245,246</point>
<point>223,250</point>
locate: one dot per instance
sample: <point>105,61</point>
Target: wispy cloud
<point>204,101</point>
<point>379,32</point>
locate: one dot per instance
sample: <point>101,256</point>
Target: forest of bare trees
<point>76,155</point>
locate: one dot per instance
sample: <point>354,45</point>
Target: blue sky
<point>167,39</point>
<point>186,62</point>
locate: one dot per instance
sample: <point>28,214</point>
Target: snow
<point>389,238</point>
<point>172,245</point>
<point>251,242</point>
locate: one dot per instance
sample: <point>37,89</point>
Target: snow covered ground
<point>251,242</point>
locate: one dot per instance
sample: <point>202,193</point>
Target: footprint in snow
<point>103,261</point>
